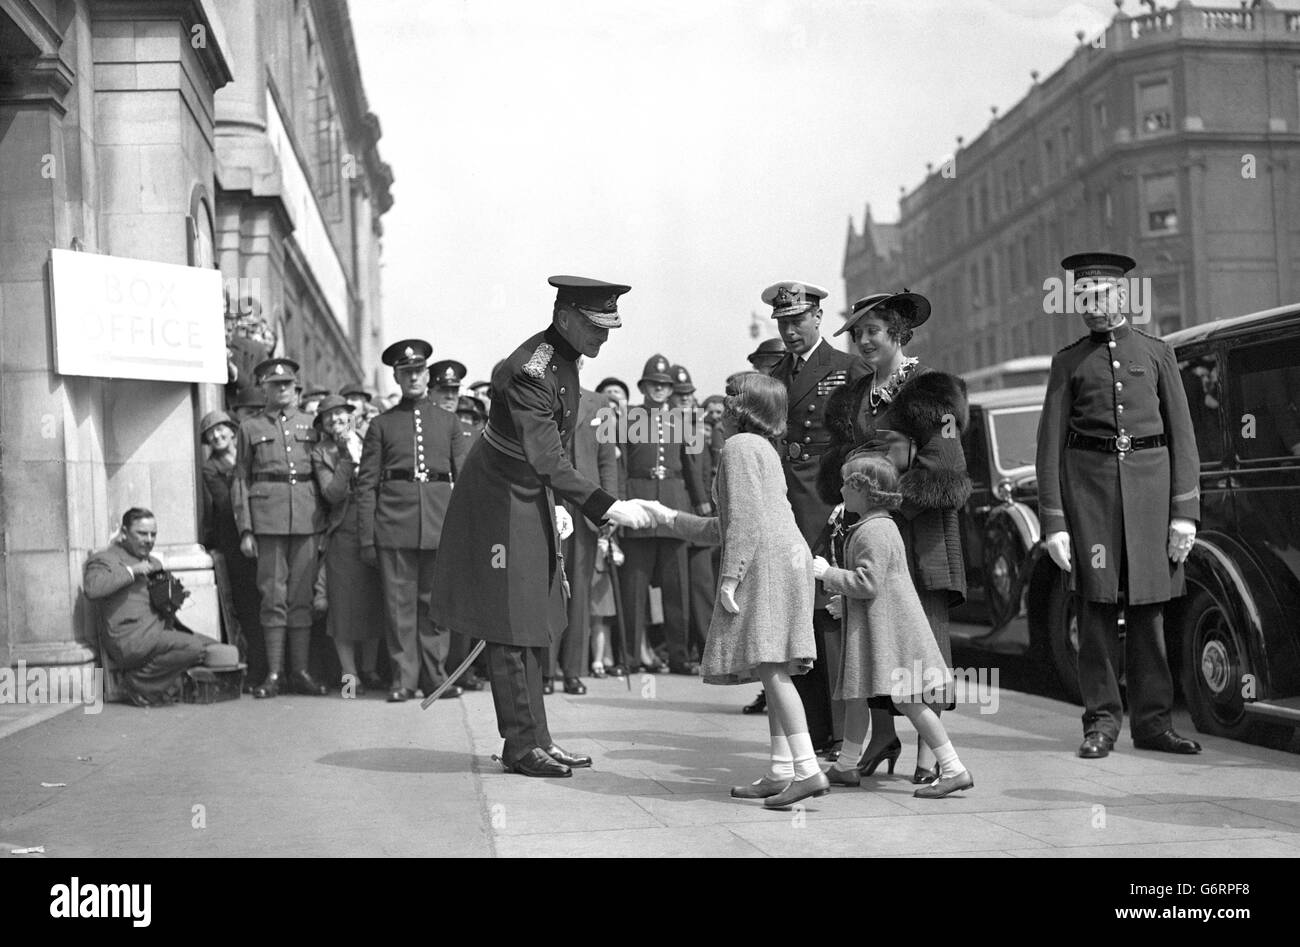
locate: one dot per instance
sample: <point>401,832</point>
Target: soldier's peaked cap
<point>409,353</point>
<point>448,373</point>
<point>1096,265</point>
<point>657,371</point>
<point>914,307</point>
<point>596,299</point>
<point>793,298</point>
<point>277,369</point>
<point>682,384</point>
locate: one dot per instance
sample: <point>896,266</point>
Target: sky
<point>696,150</point>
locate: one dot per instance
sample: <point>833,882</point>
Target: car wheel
<point>1004,558</point>
<point>1062,639</point>
<point>1216,663</point>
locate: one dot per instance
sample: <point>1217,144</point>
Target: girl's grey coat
<point>763,548</point>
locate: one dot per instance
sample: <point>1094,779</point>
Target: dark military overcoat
<point>497,577</point>
<point>1117,507</point>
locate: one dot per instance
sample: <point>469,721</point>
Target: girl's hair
<point>897,325</point>
<point>875,478</point>
<point>757,403</point>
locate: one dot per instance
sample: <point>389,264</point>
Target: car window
<point>1015,437</point>
<point>1201,380</point>
<point>1266,399</point>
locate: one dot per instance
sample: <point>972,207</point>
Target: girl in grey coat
<point>761,628</point>
<point>889,649</point>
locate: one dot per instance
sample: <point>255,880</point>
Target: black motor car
<point>1234,637</point>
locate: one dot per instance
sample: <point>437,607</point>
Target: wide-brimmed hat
<point>329,403</point>
<point>914,308</point>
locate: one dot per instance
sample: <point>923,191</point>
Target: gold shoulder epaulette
<point>536,366</point>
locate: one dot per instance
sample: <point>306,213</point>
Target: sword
<point>454,675</point>
<point>618,606</point>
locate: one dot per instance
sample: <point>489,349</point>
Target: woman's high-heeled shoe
<point>923,776</point>
<point>891,752</point>
<point>597,668</point>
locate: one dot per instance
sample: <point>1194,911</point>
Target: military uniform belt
<point>797,451</point>
<point>1121,444</point>
<point>421,476</point>
<point>282,478</point>
<point>506,445</point>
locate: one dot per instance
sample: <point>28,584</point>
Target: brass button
<point>561,389</point>
<point>807,440</point>
<point>807,424</point>
<point>1114,364</point>
<point>1119,408</point>
<point>419,438</point>
<point>1111,343</point>
<point>1119,386</point>
<point>812,407</point>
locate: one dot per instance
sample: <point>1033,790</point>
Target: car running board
<point>1285,710</point>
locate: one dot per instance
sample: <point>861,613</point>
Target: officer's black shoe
<point>455,690</point>
<point>536,762</point>
<point>684,667</point>
<point>574,685</point>
<point>1168,742</point>
<point>548,686</point>
<point>301,682</point>
<point>399,694</point>
<point>268,688</point>
<point>561,755</point>
<point>1095,746</point>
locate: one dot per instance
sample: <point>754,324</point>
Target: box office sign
<point>121,318</point>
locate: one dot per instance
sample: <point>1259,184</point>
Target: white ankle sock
<point>949,765</point>
<point>850,753</point>
<point>782,761</point>
<point>805,759</point>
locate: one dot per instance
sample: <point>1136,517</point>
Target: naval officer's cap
<point>595,299</point>
<point>1098,265</point>
<point>448,373</point>
<point>276,370</point>
<point>409,353</point>
<point>793,298</point>
<point>913,307</point>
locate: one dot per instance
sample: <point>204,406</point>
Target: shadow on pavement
<point>400,760</point>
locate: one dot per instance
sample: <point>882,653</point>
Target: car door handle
<point>981,509</point>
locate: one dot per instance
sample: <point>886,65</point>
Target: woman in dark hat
<point>914,416</point>
<point>356,609</point>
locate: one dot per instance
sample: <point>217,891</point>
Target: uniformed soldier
<point>1119,498</point>
<point>501,577</point>
<point>445,380</point>
<point>767,355</point>
<point>412,454</point>
<point>811,370</point>
<point>277,509</point>
<point>656,465</point>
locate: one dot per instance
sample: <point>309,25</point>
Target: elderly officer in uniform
<point>811,370</point>
<point>502,577</point>
<point>412,454</point>
<point>1119,497</point>
<point>445,379</point>
<point>278,512</point>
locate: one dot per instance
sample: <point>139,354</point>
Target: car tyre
<point>1061,642</point>
<point>1004,560</point>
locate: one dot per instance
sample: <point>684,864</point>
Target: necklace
<point>884,394</point>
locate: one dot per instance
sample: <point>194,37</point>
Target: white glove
<point>563,523</point>
<point>1182,534</point>
<point>663,515</point>
<point>1058,547</point>
<point>820,566</point>
<point>727,594</point>
<point>352,444</point>
<point>629,514</point>
<point>836,606</point>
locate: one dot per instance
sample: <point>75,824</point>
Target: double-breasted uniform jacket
<point>661,467</point>
<point>499,575</point>
<point>411,456</point>
<point>273,492</point>
<point>806,436</point>
<point>1117,507</point>
<point>920,430</point>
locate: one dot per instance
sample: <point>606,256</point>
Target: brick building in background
<point>1173,137</point>
<point>161,139</point>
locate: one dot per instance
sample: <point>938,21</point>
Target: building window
<point>971,228</point>
<point>975,296</point>
<point>1106,212</point>
<point>1100,124</point>
<point>1027,247</point>
<point>1049,159</point>
<point>1022,170</point>
<point>1155,108</point>
<point>984,204</point>
<point>1013,267</point>
<point>990,284</point>
<point>1160,203</point>
<point>1009,188</point>
<point>1067,148</point>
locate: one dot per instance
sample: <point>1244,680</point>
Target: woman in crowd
<point>914,416</point>
<point>355,614</point>
<point>761,627</point>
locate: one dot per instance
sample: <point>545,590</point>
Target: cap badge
<point>409,352</point>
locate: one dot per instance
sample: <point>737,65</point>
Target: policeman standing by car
<point>502,576</point>
<point>1119,496</point>
<point>277,510</point>
<point>412,454</point>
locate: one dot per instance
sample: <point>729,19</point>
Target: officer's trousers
<point>286,576</point>
<point>644,561</point>
<point>1150,683</point>
<point>516,675</point>
<point>417,648</point>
